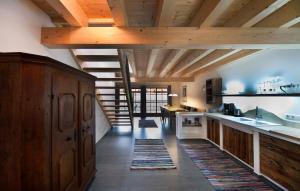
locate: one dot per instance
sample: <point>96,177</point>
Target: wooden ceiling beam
<point>69,10</point>
<point>165,12</point>
<point>206,9</point>
<point>171,37</point>
<point>171,59</point>
<point>98,58</point>
<point>118,11</point>
<point>152,59</point>
<point>144,80</point>
<point>189,60</point>
<point>288,12</point>
<point>209,59</point>
<point>234,57</point>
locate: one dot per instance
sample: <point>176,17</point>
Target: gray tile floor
<point>113,160</point>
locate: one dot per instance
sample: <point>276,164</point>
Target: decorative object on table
<point>222,171</point>
<point>147,123</point>
<point>184,94</point>
<point>151,154</point>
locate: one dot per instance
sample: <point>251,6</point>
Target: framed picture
<point>184,94</point>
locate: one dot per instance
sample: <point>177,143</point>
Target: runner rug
<point>222,171</point>
<point>147,123</point>
<point>151,154</point>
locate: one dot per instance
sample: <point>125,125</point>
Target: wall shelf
<point>260,95</point>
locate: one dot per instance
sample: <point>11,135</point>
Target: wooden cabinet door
<point>238,143</point>
<point>280,160</point>
<point>64,132</point>
<point>86,131</point>
<point>213,130</point>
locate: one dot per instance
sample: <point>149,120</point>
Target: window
<point>136,95</point>
<point>155,98</point>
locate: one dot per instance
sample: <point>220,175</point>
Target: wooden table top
<point>173,109</point>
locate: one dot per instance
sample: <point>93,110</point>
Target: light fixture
<point>172,95</point>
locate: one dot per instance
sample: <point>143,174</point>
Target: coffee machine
<point>228,109</point>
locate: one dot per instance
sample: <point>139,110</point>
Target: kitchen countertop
<point>291,133</point>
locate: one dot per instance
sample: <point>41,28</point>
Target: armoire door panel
<point>87,107</point>
<point>67,173</point>
<point>86,131</point>
<point>67,114</point>
<point>64,131</point>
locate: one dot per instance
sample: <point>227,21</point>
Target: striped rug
<point>151,154</point>
<point>222,171</point>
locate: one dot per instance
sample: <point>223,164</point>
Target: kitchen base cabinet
<point>238,143</point>
<point>47,125</point>
<point>213,130</point>
<point>280,160</point>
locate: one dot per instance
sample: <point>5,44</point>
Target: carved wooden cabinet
<point>238,143</point>
<point>213,130</point>
<point>280,160</point>
<point>47,124</point>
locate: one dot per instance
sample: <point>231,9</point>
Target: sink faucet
<point>257,115</point>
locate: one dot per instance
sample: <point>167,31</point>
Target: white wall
<point>250,71</point>
<point>20,31</point>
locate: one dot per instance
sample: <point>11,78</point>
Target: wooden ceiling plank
<point>171,59</point>
<point>118,11</point>
<point>165,12</point>
<point>171,37</point>
<point>69,10</point>
<point>98,22</point>
<point>234,57</point>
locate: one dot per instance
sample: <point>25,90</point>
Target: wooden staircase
<point>113,91</point>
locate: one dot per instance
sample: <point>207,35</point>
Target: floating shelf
<point>261,95</point>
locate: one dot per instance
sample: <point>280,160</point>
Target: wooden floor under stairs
<point>112,98</point>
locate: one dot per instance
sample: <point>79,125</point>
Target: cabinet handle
<point>68,138</point>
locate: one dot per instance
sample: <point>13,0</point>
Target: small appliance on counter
<point>237,113</point>
<point>228,109</point>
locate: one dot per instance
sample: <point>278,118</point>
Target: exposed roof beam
<point>234,57</point>
<point>98,58</point>
<point>98,22</point>
<point>265,13</point>
<point>285,14</point>
<point>165,12</point>
<point>171,37</point>
<point>152,59</point>
<point>118,11</point>
<point>209,59</point>
<point>189,60</point>
<point>69,10</point>
<point>131,60</point>
<point>144,80</point>
<point>205,10</point>
<point>219,7</point>
<point>247,14</point>
<point>170,61</point>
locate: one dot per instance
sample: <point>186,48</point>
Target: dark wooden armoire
<point>47,125</point>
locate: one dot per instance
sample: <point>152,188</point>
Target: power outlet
<point>292,117</point>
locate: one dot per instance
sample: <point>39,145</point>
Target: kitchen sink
<point>254,122</point>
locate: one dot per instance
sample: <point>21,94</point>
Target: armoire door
<point>64,132</point>
<point>86,131</point>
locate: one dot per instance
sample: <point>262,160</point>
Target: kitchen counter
<point>291,134</point>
